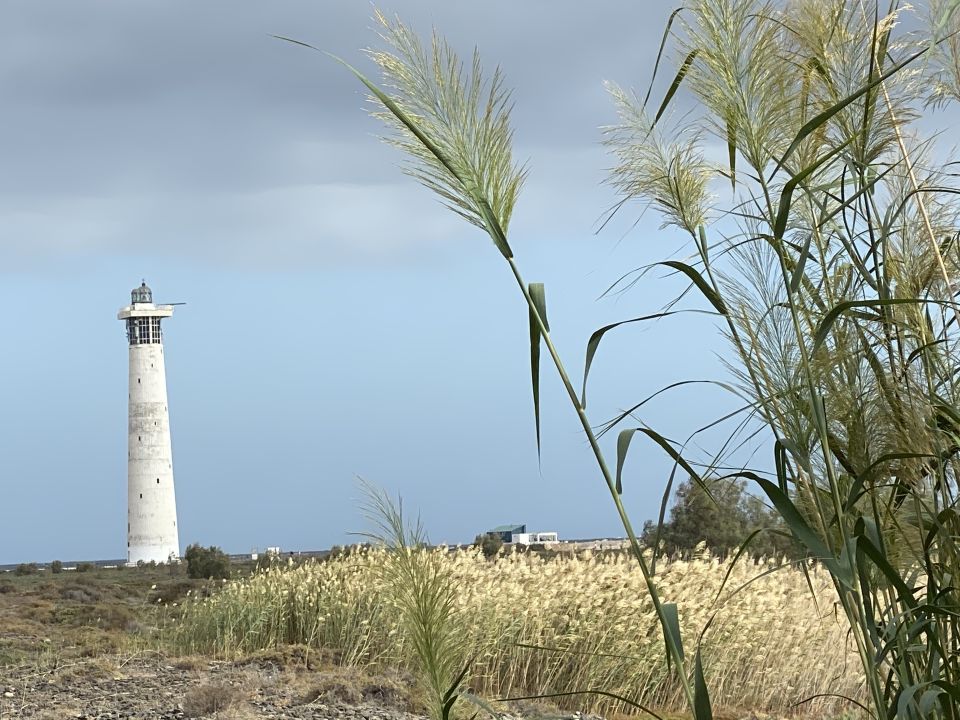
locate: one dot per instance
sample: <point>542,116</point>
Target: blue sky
<point>339,321</point>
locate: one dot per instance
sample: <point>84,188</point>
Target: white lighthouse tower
<point>151,503</point>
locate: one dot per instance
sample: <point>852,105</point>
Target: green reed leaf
<point>594,343</point>
<point>675,85</point>
<point>671,623</point>
<point>539,299</point>
<point>702,285</point>
<point>701,695</point>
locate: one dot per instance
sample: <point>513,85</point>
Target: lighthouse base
<point>156,554</point>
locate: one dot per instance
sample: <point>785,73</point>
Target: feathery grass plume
<point>465,117</point>
<point>670,175</point>
<point>464,155</point>
<point>856,381</point>
<point>538,625</point>
<point>741,75</point>
<point>943,21</point>
<point>418,583</point>
<point>844,47</point>
<point>837,263</point>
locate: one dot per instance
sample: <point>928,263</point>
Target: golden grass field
<point>538,626</point>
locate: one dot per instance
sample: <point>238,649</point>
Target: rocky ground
<point>71,647</point>
<point>147,688</point>
<point>144,687</point>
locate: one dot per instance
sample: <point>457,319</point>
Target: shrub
<point>84,567</point>
<point>26,569</point>
<point>209,699</point>
<point>207,563</point>
<point>56,567</point>
<point>489,544</point>
<point>81,594</point>
<point>265,561</point>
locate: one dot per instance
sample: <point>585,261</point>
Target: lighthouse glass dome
<point>142,294</point>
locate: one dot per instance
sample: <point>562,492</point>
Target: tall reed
<point>547,626</point>
<point>419,586</point>
<point>832,270</point>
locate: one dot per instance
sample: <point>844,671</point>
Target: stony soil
<point>153,688</point>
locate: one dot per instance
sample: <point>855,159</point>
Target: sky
<point>339,322</point>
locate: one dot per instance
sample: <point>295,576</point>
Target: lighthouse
<point>151,504</point>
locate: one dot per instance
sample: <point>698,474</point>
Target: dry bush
<point>208,699</point>
<point>352,686</point>
<point>295,657</point>
<point>80,594</point>
<point>334,687</point>
<point>190,662</point>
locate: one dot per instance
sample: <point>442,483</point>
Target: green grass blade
<point>539,298</point>
<point>731,154</point>
<point>594,343</point>
<point>802,531</point>
<point>451,695</point>
<point>702,285</point>
<point>623,444</point>
<point>572,693</point>
<point>870,549</point>
<point>823,329</point>
<point>671,636</point>
<point>852,701</point>
<point>801,263</point>
<point>675,85</point>
<point>663,44</point>
<point>786,195</point>
<point>733,563</point>
<point>906,706</point>
<point>860,481</point>
<point>610,424</point>
<point>701,702</point>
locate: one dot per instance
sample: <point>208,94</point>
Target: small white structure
<point>535,538</point>
<point>152,533</point>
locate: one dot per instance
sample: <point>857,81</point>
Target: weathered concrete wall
<point>151,503</point>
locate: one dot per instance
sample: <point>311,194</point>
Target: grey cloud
<point>129,123</point>
<point>273,228</point>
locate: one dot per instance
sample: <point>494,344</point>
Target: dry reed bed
<point>768,647</point>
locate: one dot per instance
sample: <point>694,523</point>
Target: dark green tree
<point>721,520</point>
<point>207,563</point>
<point>489,543</point>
